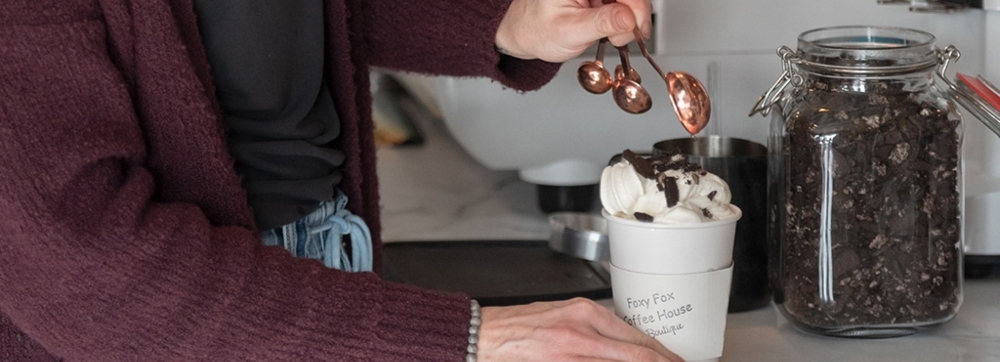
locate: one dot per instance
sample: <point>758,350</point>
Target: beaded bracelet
<point>474,323</point>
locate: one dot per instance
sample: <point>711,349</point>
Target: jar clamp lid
<point>941,58</point>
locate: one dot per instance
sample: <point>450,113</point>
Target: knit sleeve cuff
<point>454,38</point>
<point>520,74</point>
<point>524,75</point>
<point>419,324</point>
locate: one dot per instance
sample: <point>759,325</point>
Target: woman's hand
<point>576,329</point>
<point>559,30</point>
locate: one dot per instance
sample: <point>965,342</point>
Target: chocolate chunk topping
<point>644,217</point>
<point>707,213</point>
<point>711,195</point>
<point>641,165</point>
<point>653,168</point>
<point>649,167</point>
<point>670,190</point>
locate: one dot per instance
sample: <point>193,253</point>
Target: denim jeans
<point>320,236</point>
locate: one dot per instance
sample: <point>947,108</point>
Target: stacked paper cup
<point>672,281</point>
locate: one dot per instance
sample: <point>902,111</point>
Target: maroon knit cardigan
<point>124,232</point>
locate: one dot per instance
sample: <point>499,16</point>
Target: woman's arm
<point>517,42</point>
<point>445,37</point>
<point>96,265</point>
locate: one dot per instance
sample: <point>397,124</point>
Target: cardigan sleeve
<point>446,37</point>
<point>95,266</point>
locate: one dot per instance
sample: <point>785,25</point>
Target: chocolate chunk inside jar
<point>865,199</point>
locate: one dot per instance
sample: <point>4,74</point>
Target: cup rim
<point>732,264</point>
<point>708,224</point>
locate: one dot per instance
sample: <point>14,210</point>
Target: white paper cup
<point>672,281</point>
<point>671,248</point>
<point>685,312</point>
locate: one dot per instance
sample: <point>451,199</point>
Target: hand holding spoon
<point>687,95</point>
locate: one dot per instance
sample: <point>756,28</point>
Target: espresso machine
<point>561,136</point>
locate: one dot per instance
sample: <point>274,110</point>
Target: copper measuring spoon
<point>626,90</point>
<point>689,97</point>
<point>592,75</point>
<point>620,73</point>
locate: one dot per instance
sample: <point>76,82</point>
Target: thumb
<point>612,19</point>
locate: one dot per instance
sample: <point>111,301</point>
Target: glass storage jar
<point>865,183</point>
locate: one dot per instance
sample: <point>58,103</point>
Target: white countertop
<point>436,191</point>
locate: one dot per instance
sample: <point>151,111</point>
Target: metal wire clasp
<point>788,76</point>
<point>963,95</point>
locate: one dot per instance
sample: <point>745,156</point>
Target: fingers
<point>613,19</point>
<point>559,30</point>
<point>643,10</point>
<point>622,351</point>
<point>617,19</point>
<point>577,329</point>
<point>613,327</point>
<point>620,341</point>
<point>656,347</point>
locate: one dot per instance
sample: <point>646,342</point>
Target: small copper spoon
<point>592,75</point>
<point>620,73</point>
<point>629,94</point>
<point>688,95</point>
